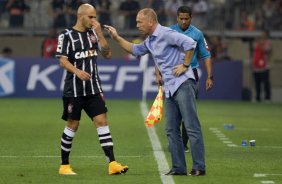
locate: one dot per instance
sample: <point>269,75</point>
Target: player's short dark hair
<point>184,9</point>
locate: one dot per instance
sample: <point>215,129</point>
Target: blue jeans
<point>182,106</point>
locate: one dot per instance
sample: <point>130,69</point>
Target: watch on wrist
<point>211,77</point>
<point>186,66</point>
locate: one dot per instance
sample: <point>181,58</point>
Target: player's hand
<point>96,26</point>
<point>179,70</point>
<point>112,31</point>
<point>83,75</point>
<point>209,84</point>
<point>159,79</point>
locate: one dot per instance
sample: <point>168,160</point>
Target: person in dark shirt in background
<point>16,9</point>
<point>104,11</point>
<point>129,9</point>
<point>57,10</point>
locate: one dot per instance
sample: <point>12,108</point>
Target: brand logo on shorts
<point>70,108</point>
<point>7,75</point>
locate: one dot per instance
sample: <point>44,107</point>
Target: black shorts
<point>93,105</point>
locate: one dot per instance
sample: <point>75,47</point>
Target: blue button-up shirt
<point>166,46</point>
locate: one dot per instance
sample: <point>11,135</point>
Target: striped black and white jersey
<point>81,50</point>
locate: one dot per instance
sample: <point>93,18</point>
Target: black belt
<point>195,71</point>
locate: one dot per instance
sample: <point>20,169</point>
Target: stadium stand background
<point>236,22</point>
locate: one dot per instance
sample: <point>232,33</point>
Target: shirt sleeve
<point>63,46</point>
<point>183,41</point>
<point>203,48</point>
<point>139,49</point>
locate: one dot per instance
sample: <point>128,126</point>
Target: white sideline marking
<point>226,141</point>
<point>267,182</point>
<point>157,148</point>
<point>256,175</point>
<point>222,137</point>
<point>232,145</point>
<point>254,129</point>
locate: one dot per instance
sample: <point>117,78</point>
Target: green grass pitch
<point>31,129</point>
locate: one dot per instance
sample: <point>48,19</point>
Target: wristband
<point>211,77</point>
<point>186,66</point>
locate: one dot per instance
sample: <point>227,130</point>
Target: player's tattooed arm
<point>105,49</point>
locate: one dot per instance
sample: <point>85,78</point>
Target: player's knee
<point>73,124</point>
<point>100,123</point>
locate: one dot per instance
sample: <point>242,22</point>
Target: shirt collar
<point>157,31</point>
<point>187,30</point>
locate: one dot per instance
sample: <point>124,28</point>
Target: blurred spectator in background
<point>71,9</point>
<point>6,52</point>
<point>2,11</point>
<point>218,49</point>
<point>129,9</point>
<point>159,7</point>
<point>200,11</point>
<point>16,9</point>
<point>72,6</point>
<point>259,20</point>
<point>276,20</point>
<point>171,7</point>
<point>268,8</point>
<point>246,21</point>
<point>3,6</point>
<point>49,44</point>
<point>104,11</point>
<point>57,10</point>
<point>261,67</point>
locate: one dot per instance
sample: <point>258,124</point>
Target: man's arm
<point>206,56</point>
<point>105,48</point>
<point>180,69</point>
<point>126,45</point>
<point>64,62</point>
<point>208,66</point>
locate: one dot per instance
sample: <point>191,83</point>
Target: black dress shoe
<point>175,173</point>
<point>195,172</point>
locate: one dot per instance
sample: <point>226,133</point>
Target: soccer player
<point>184,18</point>
<point>77,51</point>
<point>180,86</point>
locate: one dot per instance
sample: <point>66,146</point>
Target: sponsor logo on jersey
<point>7,75</point>
<point>85,54</point>
<point>60,43</point>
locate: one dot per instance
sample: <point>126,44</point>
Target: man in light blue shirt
<point>167,47</point>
